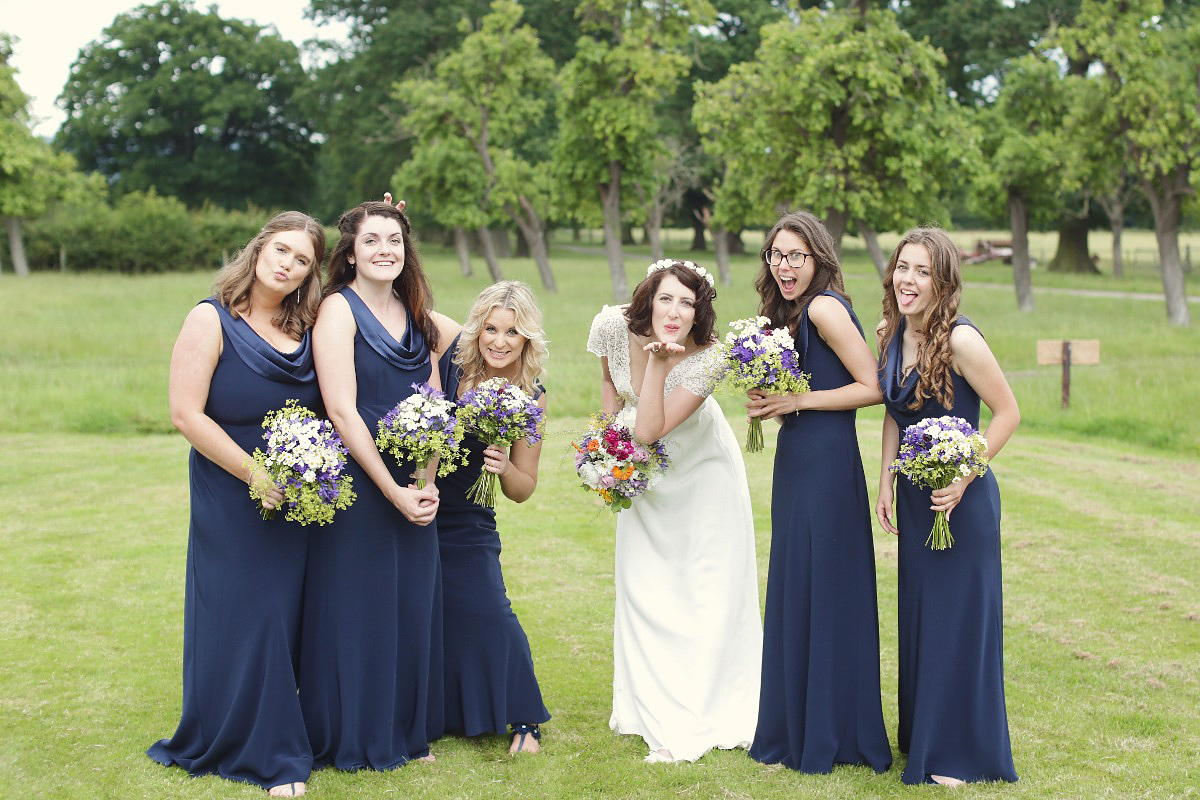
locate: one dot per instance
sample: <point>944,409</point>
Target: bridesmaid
<point>820,701</point>
<point>370,684</point>
<point>241,353</point>
<point>934,362</point>
<point>489,678</point>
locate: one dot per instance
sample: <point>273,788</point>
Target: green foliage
<point>842,113</point>
<point>193,105</point>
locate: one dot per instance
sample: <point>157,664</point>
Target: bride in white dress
<point>687,647</point>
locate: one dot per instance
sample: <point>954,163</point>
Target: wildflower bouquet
<point>758,357</point>
<point>935,453</point>
<point>613,464</point>
<point>419,428</point>
<point>305,458</point>
<point>499,413</point>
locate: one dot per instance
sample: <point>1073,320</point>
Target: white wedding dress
<point>687,644</point>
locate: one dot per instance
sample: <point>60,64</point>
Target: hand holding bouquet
<point>758,357</point>
<point>305,458</point>
<point>499,413</point>
<point>613,464</point>
<point>420,428</point>
<point>935,453</point>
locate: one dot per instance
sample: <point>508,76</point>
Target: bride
<point>687,634</point>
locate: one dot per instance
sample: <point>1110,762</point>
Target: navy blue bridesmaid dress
<point>370,676</point>
<point>489,677</point>
<point>820,701</point>
<point>244,585</point>
<point>953,719</point>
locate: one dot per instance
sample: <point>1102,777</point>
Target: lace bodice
<point>609,338</point>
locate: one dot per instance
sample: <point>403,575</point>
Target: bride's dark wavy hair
<point>640,311</point>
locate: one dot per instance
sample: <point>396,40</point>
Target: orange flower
<point>593,445</point>
<point>622,473</point>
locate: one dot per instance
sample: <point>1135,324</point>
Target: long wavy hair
<point>518,298</point>
<point>411,285</point>
<point>934,359</point>
<point>639,313</point>
<point>298,311</point>
<point>827,270</point>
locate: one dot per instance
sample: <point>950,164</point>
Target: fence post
<point>1066,380</point>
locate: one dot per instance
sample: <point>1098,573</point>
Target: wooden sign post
<point>1064,351</point>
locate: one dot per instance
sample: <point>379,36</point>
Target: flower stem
<point>754,436</point>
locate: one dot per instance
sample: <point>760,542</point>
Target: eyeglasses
<point>795,258</point>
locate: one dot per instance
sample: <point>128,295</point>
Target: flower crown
<point>696,268</point>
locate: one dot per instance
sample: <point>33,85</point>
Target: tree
<point>1153,103</point>
<point>197,106</point>
<point>487,95</point>
<point>842,113</point>
<point>32,174</point>
<point>624,67</point>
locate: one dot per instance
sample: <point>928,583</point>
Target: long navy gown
<point>820,701</point>
<point>953,720</point>
<point>245,580</point>
<point>370,681</point>
<point>489,677</point>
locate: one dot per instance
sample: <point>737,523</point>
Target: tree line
<point>623,114</point>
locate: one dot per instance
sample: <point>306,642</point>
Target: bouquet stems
<point>422,468</point>
<point>940,537</point>
<point>754,436</point>
<point>483,490</point>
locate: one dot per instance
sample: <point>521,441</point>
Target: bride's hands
<point>663,350</point>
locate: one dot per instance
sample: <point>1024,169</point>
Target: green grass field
<point>1101,557</point>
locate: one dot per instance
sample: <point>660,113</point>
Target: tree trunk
<point>698,245</point>
<point>627,233</point>
<point>720,238</point>
<point>463,248</point>
<point>62,258</point>
<point>610,201</point>
<point>1072,254</point>
<point>733,240</point>
<point>522,244</point>
<point>16,246</point>
<point>501,242</point>
<point>1167,208</point>
<point>1118,261</point>
<point>653,229</point>
<point>1022,281</point>
<point>835,223</point>
<point>489,253</point>
<point>533,229</point>
<point>873,248</point>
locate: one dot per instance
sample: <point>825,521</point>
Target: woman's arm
<point>610,399</point>
<point>193,361</point>
<point>657,416</point>
<point>517,467</point>
<point>838,330</point>
<point>333,348</point>
<point>973,360</point>
<point>887,478</point>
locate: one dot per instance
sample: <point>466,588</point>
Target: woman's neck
<point>262,302</point>
<point>376,294</point>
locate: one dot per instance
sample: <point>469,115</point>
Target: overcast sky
<point>52,33</point>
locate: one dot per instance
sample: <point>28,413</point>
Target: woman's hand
<point>400,204</point>
<point>663,350</point>
<point>495,460</point>
<point>769,406</point>
<point>419,506</point>
<point>883,508</point>
<point>265,489</point>
<point>946,499</point>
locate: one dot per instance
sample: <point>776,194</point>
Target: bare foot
<point>525,739</point>
<point>429,759</point>
<point>946,780</point>
<point>660,757</point>
<point>293,789</point>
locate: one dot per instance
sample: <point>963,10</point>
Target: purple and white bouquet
<point>499,413</point>
<point>420,428</point>
<point>305,458</point>
<point>611,463</point>
<point>759,357</point>
<point>935,453</point>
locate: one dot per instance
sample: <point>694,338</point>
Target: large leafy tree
<point>194,105</point>
<point>628,62</point>
<point>1151,61</point>
<point>842,113</point>
<point>488,95</point>
<point>32,174</point>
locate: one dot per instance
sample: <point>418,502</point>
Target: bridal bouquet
<point>935,453</point>
<point>613,464</point>
<point>758,357</point>
<point>420,428</point>
<point>497,412</point>
<point>305,458</point>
